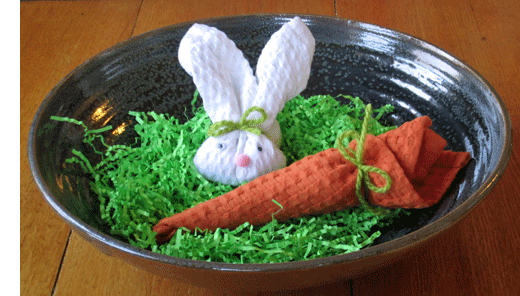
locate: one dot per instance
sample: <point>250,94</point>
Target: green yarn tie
<point>248,125</point>
<point>363,170</point>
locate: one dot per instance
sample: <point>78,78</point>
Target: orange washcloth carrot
<point>412,155</point>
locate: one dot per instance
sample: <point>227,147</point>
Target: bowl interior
<point>378,65</point>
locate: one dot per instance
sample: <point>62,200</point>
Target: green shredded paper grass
<point>139,184</point>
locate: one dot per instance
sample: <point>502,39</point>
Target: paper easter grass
<point>141,183</point>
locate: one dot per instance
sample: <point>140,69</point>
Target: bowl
<point>380,66</point>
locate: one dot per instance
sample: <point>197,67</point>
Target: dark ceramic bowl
<point>379,65</point>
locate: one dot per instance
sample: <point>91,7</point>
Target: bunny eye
<point>220,146</point>
<point>259,148</point>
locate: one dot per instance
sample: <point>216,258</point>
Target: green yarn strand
<point>248,125</point>
<point>356,157</point>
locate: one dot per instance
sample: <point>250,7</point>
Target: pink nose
<point>243,160</point>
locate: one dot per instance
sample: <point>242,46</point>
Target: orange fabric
<point>412,155</point>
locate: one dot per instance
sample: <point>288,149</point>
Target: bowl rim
<point>409,240</point>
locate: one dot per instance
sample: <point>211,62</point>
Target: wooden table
<point>480,256</point>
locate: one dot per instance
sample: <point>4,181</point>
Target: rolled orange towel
<point>412,155</point>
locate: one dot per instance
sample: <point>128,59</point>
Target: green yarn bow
<point>363,170</point>
<point>248,125</point>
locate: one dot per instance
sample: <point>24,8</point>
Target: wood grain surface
<point>479,256</point>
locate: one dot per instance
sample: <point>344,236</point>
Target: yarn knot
<point>356,157</point>
<point>248,125</point>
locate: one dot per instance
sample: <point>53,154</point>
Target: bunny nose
<point>243,160</point>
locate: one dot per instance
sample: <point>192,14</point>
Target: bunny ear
<point>220,72</point>
<point>284,67</point>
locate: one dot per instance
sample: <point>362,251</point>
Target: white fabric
<point>228,87</point>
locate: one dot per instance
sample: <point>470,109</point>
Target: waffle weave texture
<point>413,156</point>
<point>229,89</point>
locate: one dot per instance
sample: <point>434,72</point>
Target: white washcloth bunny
<point>244,138</point>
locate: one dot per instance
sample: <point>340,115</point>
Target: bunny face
<point>229,89</point>
<point>238,157</point>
